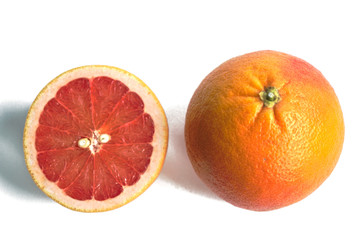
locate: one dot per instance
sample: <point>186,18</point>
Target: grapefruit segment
<point>143,126</point>
<point>106,93</point>
<point>135,155</point>
<point>53,163</point>
<point>95,138</point>
<point>126,110</point>
<point>73,169</point>
<point>48,138</point>
<point>81,187</point>
<point>56,116</point>
<point>122,171</point>
<point>105,187</point>
<point>75,97</point>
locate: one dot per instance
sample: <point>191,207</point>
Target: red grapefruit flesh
<point>95,138</point>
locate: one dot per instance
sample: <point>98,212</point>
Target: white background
<point>172,46</point>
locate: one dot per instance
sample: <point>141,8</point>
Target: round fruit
<point>264,130</point>
<point>95,138</point>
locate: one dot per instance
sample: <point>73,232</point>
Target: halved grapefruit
<point>95,138</point>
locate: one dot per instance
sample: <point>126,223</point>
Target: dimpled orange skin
<point>263,158</point>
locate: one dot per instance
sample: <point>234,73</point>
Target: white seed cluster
<point>86,142</point>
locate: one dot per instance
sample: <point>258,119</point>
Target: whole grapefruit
<point>264,130</point>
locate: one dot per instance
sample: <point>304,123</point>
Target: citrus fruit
<point>95,138</point>
<point>264,130</point>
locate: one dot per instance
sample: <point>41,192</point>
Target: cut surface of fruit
<point>95,138</point>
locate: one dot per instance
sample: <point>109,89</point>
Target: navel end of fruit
<point>270,96</point>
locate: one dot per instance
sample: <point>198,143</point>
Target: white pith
<point>151,106</point>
